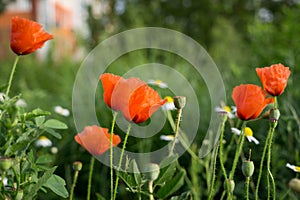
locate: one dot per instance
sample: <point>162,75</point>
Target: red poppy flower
<point>133,97</point>
<point>26,36</point>
<point>109,82</point>
<point>274,78</point>
<point>250,100</point>
<point>96,140</point>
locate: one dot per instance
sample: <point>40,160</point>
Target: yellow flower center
<point>158,82</point>
<point>43,138</point>
<point>227,108</point>
<point>248,131</point>
<point>297,168</point>
<point>169,99</point>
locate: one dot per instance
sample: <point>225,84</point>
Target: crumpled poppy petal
<point>250,101</point>
<point>274,78</point>
<point>96,140</point>
<point>27,36</point>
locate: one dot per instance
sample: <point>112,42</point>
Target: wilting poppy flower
<point>109,82</point>
<point>26,36</point>
<point>96,140</point>
<point>250,100</point>
<point>274,78</point>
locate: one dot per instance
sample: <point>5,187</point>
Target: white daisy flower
<point>62,111</point>
<point>21,103</point>
<point>226,109</point>
<point>248,133</point>
<point>5,181</point>
<point>158,83</point>
<point>168,138</point>
<point>43,141</point>
<point>293,167</point>
<point>169,105</point>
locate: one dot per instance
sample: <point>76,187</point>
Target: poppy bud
<point>5,163</point>
<point>274,115</point>
<point>179,101</point>
<point>230,183</point>
<point>248,168</point>
<point>77,165</point>
<point>152,171</point>
<point>294,184</point>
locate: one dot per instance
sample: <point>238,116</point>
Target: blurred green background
<point>238,35</point>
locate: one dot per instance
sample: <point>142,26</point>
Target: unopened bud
<point>230,183</point>
<point>294,184</point>
<point>179,101</point>
<point>248,168</point>
<point>152,171</point>
<point>77,165</point>
<point>5,163</point>
<point>274,116</point>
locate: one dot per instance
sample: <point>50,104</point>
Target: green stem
<point>120,161</point>
<point>247,187</point>
<point>238,151</point>
<point>111,155</point>
<point>18,180</point>
<point>176,131</point>
<point>151,190</point>
<point>262,164</point>
<point>269,162</point>
<point>212,185</point>
<point>74,184</point>
<point>90,178</point>
<point>12,75</point>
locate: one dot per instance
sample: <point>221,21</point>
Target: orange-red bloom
<point>96,140</point>
<point>250,100</point>
<point>26,36</point>
<point>274,78</point>
<point>133,97</point>
<point>109,82</point>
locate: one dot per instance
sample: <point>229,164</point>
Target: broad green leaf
<point>35,113</point>
<point>41,181</point>
<point>136,172</point>
<point>57,185</point>
<point>53,133</point>
<point>166,173</point>
<point>53,123</point>
<point>128,179</point>
<point>183,196</point>
<point>44,159</point>
<point>39,120</point>
<point>171,186</point>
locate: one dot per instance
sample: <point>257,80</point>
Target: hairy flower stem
<point>12,75</point>
<point>247,187</point>
<point>74,184</point>
<point>214,162</point>
<point>269,163</point>
<point>121,159</point>
<point>111,155</point>
<point>90,178</point>
<point>176,131</point>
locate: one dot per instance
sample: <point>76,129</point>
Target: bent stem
<point>269,163</point>
<point>11,75</point>
<point>176,131</point>
<point>90,178</point>
<point>120,161</point>
<point>111,155</point>
<point>74,184</point>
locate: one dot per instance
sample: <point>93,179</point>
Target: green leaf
<point>39,120</point>
<point>128,179</point>
<point>136,172</point>
<point>166,173</point>
<point>35,113</point>
<point>53,123</point>
<point>183,196</point>
<point>53,133</point>
<point>57,185</point>
<point>41,181</point>
<point>44,159</point>
<point>171,186</point>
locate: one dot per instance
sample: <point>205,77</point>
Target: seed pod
<point>77,165</point>
<point>231,184</point>
<point>248,168</point>
<point>5,163</point>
